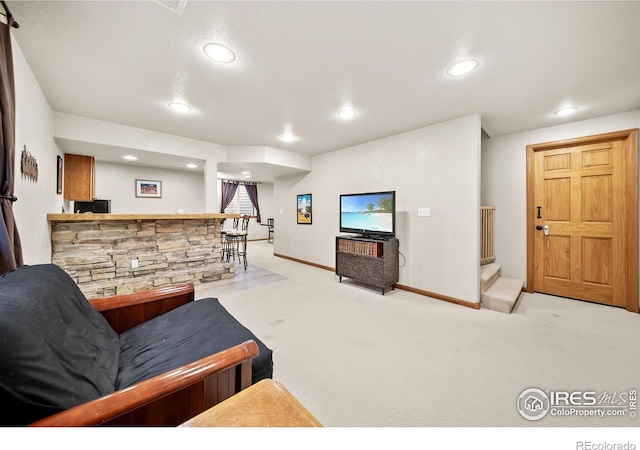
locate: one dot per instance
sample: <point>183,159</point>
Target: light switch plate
<point>424,212</point>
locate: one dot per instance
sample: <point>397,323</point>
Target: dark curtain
<point>228,191</point>
<point>10,248</point>
<point>252,192</point>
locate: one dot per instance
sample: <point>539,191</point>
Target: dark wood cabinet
<point>369,261</point>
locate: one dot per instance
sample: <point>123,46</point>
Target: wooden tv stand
<point>371,261</point>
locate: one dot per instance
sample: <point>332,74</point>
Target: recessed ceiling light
<point>247,176</point>
<point>246,173</point>
<point>346,114</point>
<point>566,111</point>
<point>130,158</point>
<point>288,137</point>
<point>180,107</point>
<point>462,67</point>
<point>219,53</point>
<point>192,166</point>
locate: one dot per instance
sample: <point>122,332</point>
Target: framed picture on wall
<point>59,176</point>
<point>148,188</point>
<point>304,209</point>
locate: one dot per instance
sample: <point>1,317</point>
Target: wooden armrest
<point>128,310</point>
<point>136,298</point>
<point>107,408</point>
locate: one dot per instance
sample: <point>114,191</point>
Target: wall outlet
<point>424,212</point>
<point>134,263</point>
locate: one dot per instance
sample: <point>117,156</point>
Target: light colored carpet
<point>356,358</point>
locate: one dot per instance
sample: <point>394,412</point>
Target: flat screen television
<point>371,214</point>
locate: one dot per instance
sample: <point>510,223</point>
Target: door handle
<point>545,229</point>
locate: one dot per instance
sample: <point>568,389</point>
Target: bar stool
<point>226,249</point>
<point>270,231</point>
<point>237,241</point>
<point>270,235</point>
<point>223,238</point>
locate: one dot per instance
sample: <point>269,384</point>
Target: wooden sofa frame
<point>171,398</point>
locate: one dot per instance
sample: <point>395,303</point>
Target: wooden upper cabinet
<point>79,177</point>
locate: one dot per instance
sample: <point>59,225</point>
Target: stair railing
<point>487,234</point>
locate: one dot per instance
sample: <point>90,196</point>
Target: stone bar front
<point>99,251</point>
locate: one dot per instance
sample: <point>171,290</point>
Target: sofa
<point>156,357</point>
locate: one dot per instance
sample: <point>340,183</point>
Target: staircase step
<point>502,295</point>
<point>489,273</point>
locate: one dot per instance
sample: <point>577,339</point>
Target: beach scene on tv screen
<point>367,212</point>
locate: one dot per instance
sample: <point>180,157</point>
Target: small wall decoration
<point>148,188</point>
<point>304,209</point>
<point>29,166</point>
<point>59,176</point>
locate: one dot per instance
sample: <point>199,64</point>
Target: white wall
<point>436,167</point>
<point>33,130</point>
<point>74,131</point>
<point>83,129</point>
<point>504,181</point>
<point>180,189</point>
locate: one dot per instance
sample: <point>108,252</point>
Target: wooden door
<point>586,192</point>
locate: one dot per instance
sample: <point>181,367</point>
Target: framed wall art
<point>304,209</point>
<point>148,189</point>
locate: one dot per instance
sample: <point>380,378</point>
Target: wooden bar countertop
<point>91,217</point>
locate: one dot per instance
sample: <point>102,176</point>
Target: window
<point>241,203</point>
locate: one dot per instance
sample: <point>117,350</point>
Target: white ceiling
<point>298,63</point>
